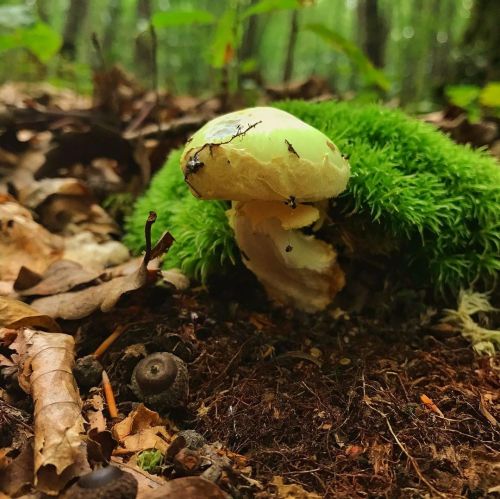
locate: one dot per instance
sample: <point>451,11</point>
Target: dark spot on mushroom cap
<point>156,372</point>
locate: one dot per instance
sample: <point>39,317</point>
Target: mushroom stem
<point>296,269</point>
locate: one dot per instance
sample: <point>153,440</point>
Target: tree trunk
<point>292,42</point>
<point>372,31</point>
<point>42,10</point>
<point>480,53</point>
<point>142,54</point>
<point>75,19</point>
<point>112,26</point>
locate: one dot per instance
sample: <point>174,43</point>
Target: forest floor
<point>384,402</point>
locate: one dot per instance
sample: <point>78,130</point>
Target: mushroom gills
<point>295,269</point>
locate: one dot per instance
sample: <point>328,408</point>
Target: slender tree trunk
<point>115,9</point>
<point>42,9</point>
<point>372,31</point>
<point>292,42</point>
<point>75,19</point>
<point>480,49</point>
<point>142,54</point>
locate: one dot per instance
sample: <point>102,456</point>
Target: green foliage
<point>226,36</point>
<point>181,18</point>
<point>39,39</point>
<point>203,240</point>
<point>340,44</point>
<point>471,98</point>
<point>267,6</point>
<point>439,201</point>
<point>150,460</point>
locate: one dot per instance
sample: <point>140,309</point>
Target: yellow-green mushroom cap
<point>263,153</point>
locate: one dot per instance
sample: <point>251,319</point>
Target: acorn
<point>104,483</point>
<point>190,487</point>
<point>161,381</point>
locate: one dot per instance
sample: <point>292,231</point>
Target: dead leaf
<point>142,429</point>
<point>23,242</point>
<point>46,373</point>
<point>145,481</point>
<point>17,477</point>
<point>61,276</point>
<point>16,314</point>
<point>292,491</point>
<point>85,249</point>
<point>79,304</point>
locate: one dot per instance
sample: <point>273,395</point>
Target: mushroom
<point>279,173</point>
<point>161,381</point>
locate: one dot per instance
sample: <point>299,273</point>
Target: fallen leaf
<point>16,314</point>
<point>78,304</point>
<point>85,249</point>
<point>61,276</point>
<point>23,242</point>
<point>142,429</point>
<point>292,491</point>
<point>146,482</point>
<point>46,361</point>
<point>17,477</point>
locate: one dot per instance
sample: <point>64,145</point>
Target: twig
<point>109,395</point>
<point>413,461</point>
<point>103,347</point>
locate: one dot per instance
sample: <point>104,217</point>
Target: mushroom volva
<point>278,172</point>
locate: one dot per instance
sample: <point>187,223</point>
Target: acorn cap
<point>161,380</point>
<point>104,483</point>
<point>190,487</point>
<point>263,153</point>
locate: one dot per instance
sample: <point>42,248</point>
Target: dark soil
<point>333,404</point>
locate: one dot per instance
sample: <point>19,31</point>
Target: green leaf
<point>225,35</point>
<point>181,18</point>
<point>462,95</point>
<point>490,94</point>
<point>266,6</point>
<point>41,40</point>
<point>16,16</point>
<point>340,44</point>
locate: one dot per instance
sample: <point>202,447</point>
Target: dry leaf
<point>145,481</point>
<point>79,304</point>
<point>16,314</point>
<point>46,362</point>
<point>85,249</point>
<point>23,242</point>
<point>293,491</point>
<point>61,276</point>
<point>17,477</point>
<point>142,429</point>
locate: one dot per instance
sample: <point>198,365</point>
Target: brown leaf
<point>142,429</point>
<point>195,487</point>
<point>79,304</point>
<point>23,242</point>
<point>17,477</point>
<point>46,372</point>
<point>61,276</point>
<point>292,491</point>
<point>16,314</point>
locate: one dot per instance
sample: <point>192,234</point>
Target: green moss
<point>439,200</point>
<point>203,239</point>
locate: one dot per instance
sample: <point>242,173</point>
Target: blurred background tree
<point>406,50</point>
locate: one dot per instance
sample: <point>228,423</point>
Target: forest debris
<point>188,487</point>
<point>78,304</point>
<point>485,411</point>
<point>89,252</point>
<point>292,491</point>
<point>23,242</point>
<point>484,341</point>
<point>46,361</point>
<point>60,276</point>
<point>17,476</point>
<point>142,429</point>
<point>429,403</point>
<point>16,314</point>
<point>110,396</point>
